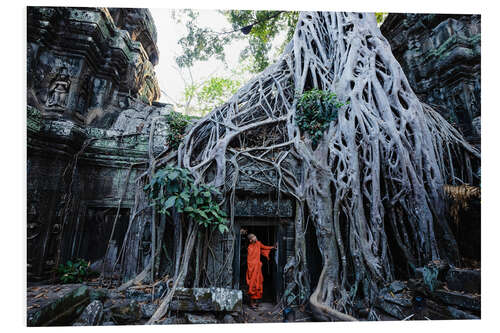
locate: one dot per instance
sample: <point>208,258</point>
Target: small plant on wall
<point>177,124</point>
<point>316,109</point>
<point>175,187</point>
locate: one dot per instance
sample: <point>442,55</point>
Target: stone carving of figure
<point>58,90</point>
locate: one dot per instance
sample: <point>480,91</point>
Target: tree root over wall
<point>380,166</point>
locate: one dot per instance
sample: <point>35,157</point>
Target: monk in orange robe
<point>254,268</point>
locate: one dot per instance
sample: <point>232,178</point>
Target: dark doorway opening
<point>267,235</point>
<point>97,230</point>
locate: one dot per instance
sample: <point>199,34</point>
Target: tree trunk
<point>384,161</point>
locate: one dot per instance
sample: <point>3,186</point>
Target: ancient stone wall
<point>77,179</point>
<point>91,83</point>
<point>441,57</point>
<point>83,67</point>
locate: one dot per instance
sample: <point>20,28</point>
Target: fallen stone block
<point>174,320</point>
<point>207,300</point>
<point>464,301</point>
<point>201,319</point>
<point>148,310</point>
<point>468,280</point>
<point>60,306</point>
<point>459,314</point>
<point>397,286</point>
<point>125,312</point>
<point>92,315</point>
<point>228,319</point>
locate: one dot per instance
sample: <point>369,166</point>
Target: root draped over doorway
<point>381,164</point>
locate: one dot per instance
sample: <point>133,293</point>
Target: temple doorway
<point>272,269</point>
<point>97,230</point>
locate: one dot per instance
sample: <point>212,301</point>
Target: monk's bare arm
<point>265,247</point>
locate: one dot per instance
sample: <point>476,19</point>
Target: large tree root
<point>377,173</point>
<point>320,309</point>
<point>383,162</point>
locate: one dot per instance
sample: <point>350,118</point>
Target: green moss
<point>443,50</point>
<point>33,119</point>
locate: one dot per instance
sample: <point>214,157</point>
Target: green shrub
<point>175,187</point>
<point>75,271</point>
<point>316,109</point>
<point>177,124</point>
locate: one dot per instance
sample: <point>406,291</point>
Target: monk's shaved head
<point>250,236</point>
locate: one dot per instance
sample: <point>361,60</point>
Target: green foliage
<point>316,109</point>
<point>380,17</point>
<point>208,94</point>
<point>177,124</point>
<point>200,43</point>
<point>74,271</point>
<point>270,25</point>
<point>175,187</point>
<point>215,91</point>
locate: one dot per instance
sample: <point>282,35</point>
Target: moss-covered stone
<point>62,308</point>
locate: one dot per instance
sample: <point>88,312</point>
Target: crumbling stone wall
<point>91,86</point>
<point>83,67</point>
<point>441,57</point>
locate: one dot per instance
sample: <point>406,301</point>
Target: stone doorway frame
<point>279,224</point>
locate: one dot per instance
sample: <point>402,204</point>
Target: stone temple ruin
<point>92,97</point>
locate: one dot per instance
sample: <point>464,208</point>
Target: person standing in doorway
<point>254,268</point>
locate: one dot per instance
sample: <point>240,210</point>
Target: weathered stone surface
<point>125,312</point>
<point>201,319</point>
<point>99,294</point>
<point>395,303</point>
<point>61,306</point>
<point>138,295</point>
<point>174,320</point>
<point>140,25</point>
<point>84,69</point>
<point>459,314</point>
<point>97,187</point>
<point>228,319</point>
<point>464,301</point>
<point>440,55</point>
<point>468,280</point>
<point>397,286</point>
<point>207,299</point>
<point>255,205</point>
<point>81,66</point>
<point>91,316</point>
<point>148,310</point>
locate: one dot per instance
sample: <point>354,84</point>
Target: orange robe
<point>254,268</point>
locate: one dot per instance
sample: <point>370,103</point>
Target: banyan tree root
<point>376,175</point>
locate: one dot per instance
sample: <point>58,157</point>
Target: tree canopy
<point>261,28</point>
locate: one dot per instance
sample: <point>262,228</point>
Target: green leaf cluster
<point>215,91</point>
<point>316,109</point>
<point>380,17</point>
<point>199,44</point>
<point>74,271</point>
<point>269,25</point>
<point>175,187</point>
<point>177,124</point>
<point>203,43</point>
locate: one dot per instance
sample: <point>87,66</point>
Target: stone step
<point>467,280</point>
<point>55,305</point>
